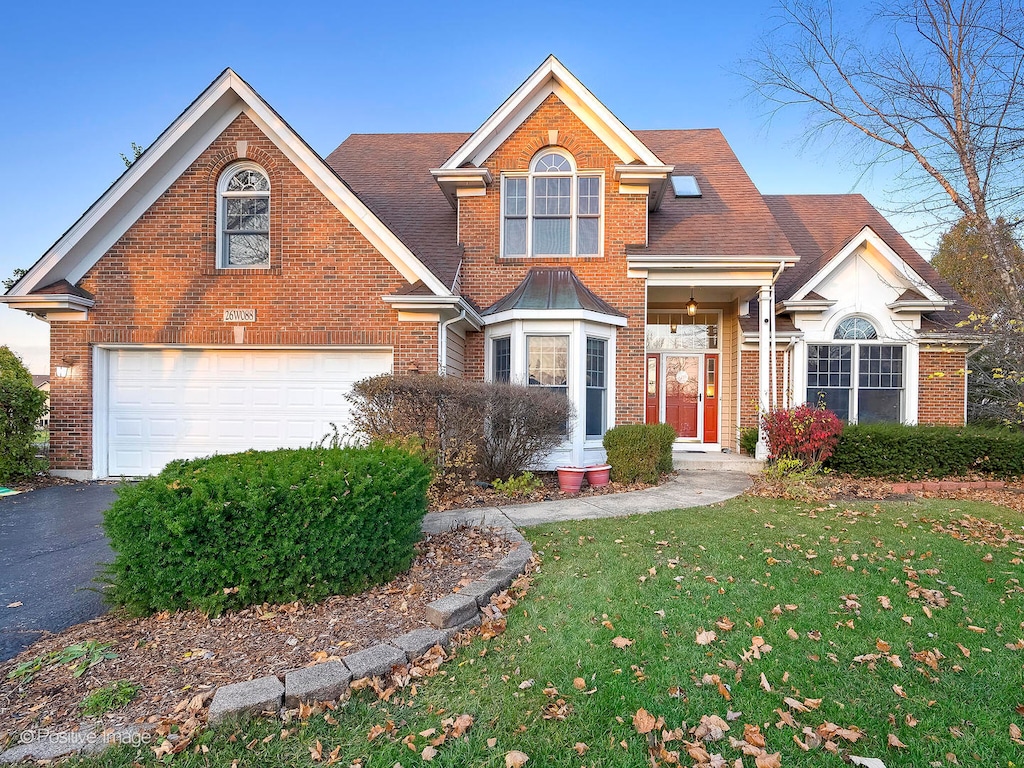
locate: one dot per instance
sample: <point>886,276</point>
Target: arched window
<point>553,210</point>
<point>243,217</point>
<point>855,328</point>
<point>861,380</point>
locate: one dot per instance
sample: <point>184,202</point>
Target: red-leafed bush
<point>806,433</point>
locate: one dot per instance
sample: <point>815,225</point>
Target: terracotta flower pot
<point>570,478</point>
<point>599,474</point>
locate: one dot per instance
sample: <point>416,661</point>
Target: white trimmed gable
<point>229,96</point>
<point>867,246</point>
<point>551,78</point>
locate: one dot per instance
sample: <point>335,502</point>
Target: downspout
<point>442,340</point>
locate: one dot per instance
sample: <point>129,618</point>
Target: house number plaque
<point>239,315</point>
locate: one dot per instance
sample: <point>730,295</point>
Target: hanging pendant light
<point>691,305</point>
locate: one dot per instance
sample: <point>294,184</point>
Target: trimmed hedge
<point>900,451</point>
<point>230,531</point>
<point>639,451</point>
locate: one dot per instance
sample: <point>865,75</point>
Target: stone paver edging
<point>449,615</point>
<point>327,681</point>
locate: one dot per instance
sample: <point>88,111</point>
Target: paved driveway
<point>51,547</point>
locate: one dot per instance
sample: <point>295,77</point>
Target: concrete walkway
<point>688,488</point>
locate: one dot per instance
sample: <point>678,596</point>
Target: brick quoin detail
<point>486,276</point>
<point>159,285</point>
<point>942,386</point>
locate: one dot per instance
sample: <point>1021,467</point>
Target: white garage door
<point>166,404</point>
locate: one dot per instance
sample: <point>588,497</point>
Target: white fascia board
<point>110,216</point>
<point>868,236</point>
<point>551,77</point>
<point>807,305</point>
<point>554,314</point>
<point>175,150</point>
<point>918,305</point>
<point>448,304</point>
<point>752,337</point>
<point>723,261</point>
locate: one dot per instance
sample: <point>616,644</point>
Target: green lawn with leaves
<point>873,626</point>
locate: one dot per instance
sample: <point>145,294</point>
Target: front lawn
<point>898,624</point>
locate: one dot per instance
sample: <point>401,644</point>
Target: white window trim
<point>222,193</point>
<point>517,330</point>
<point>908,393</point>
<point>575,174</point>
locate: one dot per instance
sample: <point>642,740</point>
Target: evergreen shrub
<point>230,531</point>
<point>902,451</point>
<point>639,451</point>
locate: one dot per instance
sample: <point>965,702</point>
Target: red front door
<point>682,393</point>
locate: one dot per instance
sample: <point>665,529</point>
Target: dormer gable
<point>638,169</point>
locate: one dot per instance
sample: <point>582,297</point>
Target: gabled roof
<point>729,219</point>
<point>552,288</point>
<point>174,150</point>
<point>824,227</point>
<point>550,77</point>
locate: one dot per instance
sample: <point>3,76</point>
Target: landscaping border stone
<point>321,682</point>
<point>326,681</point>
<point>419,641</point>
<point>241,699</point>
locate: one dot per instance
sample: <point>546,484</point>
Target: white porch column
<point>764,355</point>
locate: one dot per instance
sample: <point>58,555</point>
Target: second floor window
<point>554,210</point>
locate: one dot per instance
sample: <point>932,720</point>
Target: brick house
<point>230,287</point>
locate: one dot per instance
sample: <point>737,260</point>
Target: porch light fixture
<point>673,326</point>
<point>64,370</point>
<point>691,306</point>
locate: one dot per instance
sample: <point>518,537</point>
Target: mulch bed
<point>485,496</point>
<point>177,656</point>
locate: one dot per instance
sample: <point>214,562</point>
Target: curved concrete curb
<point>327,681</point>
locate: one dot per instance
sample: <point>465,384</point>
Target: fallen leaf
<point>795,705</point>
<point>706,636</point>
<point>428,753</point>
<point>792,634</point>
<point>765,684</point>
<point>643,721</point>
<point>894,741</point>
<point>768,761</point>
<point>515,759</point>
<point>580,747</point>
<point>898,690</point>
<point>376,731</point>
<point>16,604</point>
<point>461,725</point>
<point>885,602</point>
<point>579,683</point>
<point>725,624</point>
<point>965,651</point>
<point>883,646</point>
<point>492,743</point>
<point>618,642</point>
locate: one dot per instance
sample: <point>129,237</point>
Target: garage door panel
<point>165,404</point>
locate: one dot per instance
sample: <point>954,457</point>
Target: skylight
<point>686,186</point>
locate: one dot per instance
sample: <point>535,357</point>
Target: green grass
<point>737,560</point>
<point>108,698</point>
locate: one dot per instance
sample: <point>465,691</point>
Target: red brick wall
<point>748,385</point>
<point>486,276</point>
<point>159,284</point>
<point>942,386</point>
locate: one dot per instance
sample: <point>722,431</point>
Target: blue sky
<point>84,80</point>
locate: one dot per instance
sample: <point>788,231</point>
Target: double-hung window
<point>243,217</point>
<point>597,387</point>
<point>554,210</point>
<point>861,380</point>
